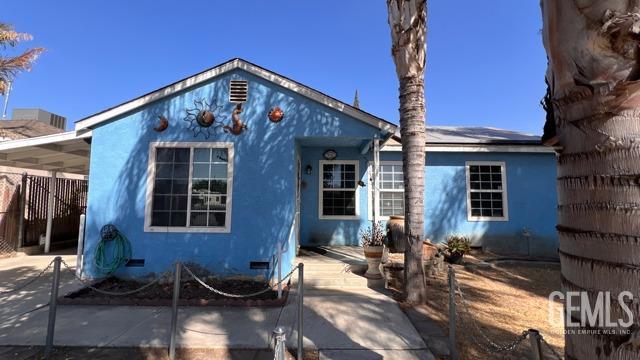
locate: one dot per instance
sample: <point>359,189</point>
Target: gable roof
<point>21,129</point>
<point>237,63</point>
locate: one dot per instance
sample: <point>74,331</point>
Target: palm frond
<point>10,66</point>
<point>10,37</point>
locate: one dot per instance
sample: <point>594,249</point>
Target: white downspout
<point>374,179</point>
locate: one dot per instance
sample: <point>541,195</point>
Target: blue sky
<point>485,65</point>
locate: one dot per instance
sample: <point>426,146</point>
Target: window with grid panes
<point>391,190</point>
<point>190,187</point>
<point>486,190</point>
<point>338,189</point>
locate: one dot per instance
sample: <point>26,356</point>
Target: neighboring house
<point>227,201</point>
<point>22,129</point>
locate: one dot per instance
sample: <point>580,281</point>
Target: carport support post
<point>452,315</point>
<point>300,309</point>
<point>80,254</point>
<point>23,206</point>
<point>174,310</point>
<point>53,303</point>
<point>50,207</point>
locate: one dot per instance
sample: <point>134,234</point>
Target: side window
<point>486,191</point>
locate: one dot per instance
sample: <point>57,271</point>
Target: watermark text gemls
<point>594,313</point>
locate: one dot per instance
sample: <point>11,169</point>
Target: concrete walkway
<point>341,322</point>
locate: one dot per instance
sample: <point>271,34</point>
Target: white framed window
<point>189,187</point>
<point>487,191</point>
<point>390,190</point>
<point>338,189</point>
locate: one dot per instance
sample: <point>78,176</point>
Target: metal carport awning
<point>65,152</point>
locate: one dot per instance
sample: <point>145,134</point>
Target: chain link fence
<point>278,336</point>
<point>539,347</point>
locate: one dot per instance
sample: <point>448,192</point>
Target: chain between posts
<point>220,292</point>
<point>29,282</point>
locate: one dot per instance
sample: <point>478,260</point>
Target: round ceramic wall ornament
<point>163,124</point>
<point>330,154</point>
<point>276,114</point>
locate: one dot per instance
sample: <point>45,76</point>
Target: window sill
<point>169,229</point>
<point>325,217</point>
<point>480,218</point>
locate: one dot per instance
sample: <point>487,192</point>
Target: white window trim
<point>505,199</point>
<point>321,189</point>
<point>370,191</point>
<point>151,174</point>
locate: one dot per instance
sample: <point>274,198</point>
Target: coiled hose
<point>113,243</point>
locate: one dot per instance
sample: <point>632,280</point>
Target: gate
<point>69,202</point>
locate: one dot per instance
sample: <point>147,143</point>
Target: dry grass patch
<point>504,300</point>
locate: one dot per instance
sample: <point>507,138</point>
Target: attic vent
<point>238,91</point>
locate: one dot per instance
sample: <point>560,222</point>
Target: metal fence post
<point>453,351</point>
<point>174,310</point>
<point>536,349</point>
<point>280,345</point>
<point>300,309</point>
<point>53,302</point>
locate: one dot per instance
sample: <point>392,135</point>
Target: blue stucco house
<point>229,197</point>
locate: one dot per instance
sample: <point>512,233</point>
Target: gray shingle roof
<point>477,135</point>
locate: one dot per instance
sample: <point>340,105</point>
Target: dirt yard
<point>504,300</point>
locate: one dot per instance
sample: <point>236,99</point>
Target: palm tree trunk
<point>407,20</point>
<point>412,130</point>
<point>594,102</point>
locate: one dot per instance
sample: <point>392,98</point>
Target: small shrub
<point>373,235</point>
<point>456,247</point>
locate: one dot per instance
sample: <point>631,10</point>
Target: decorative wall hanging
<point>330,154</point>
<point>237,126</point>
<point>204,118</point>
<point>276,114</point>
<point>163,124</point>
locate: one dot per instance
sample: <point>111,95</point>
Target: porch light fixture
<point>330,154</point>
<point>308,169</point>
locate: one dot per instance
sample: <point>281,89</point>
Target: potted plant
<point>372,239</point>
<point>455,248</point>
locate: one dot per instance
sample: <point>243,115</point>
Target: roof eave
<point>237,63</point>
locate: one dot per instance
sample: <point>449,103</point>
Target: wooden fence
<point>70,200</point>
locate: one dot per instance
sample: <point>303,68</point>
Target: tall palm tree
<point>593,110</point>
<point>408,23</point>
<point>10,66</point>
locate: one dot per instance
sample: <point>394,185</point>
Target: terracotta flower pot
<point>395,234</point>
<point>373,255</point>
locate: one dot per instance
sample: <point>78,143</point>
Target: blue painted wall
<point>263,185</point>
<point>531,201</point>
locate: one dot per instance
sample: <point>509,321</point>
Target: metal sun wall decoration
<point>205,118</point>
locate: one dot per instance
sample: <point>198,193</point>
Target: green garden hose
<point>114,244</point>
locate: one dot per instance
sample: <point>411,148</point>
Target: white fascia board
<point>43,140</point>
<point>480,148</point>
<point>226,67</point>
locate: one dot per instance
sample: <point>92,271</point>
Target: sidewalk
<point>357,324</point>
